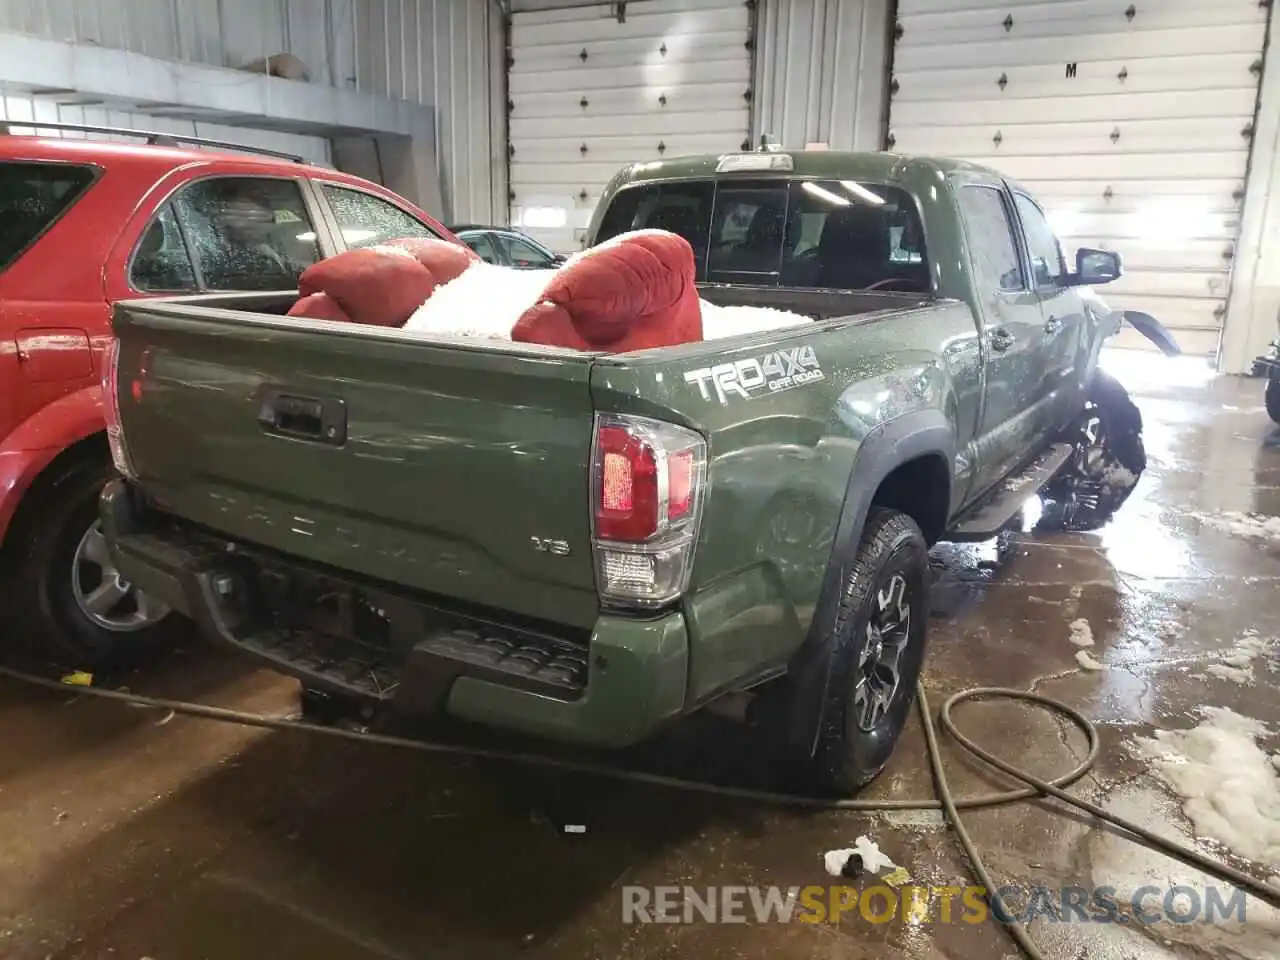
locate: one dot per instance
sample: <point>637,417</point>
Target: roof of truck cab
<point>834,164</point>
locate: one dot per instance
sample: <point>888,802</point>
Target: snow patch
<point>1252,526</point>
<point>1229,787</point>
<point>1237,665</point>
<point>1087,662</point>
<point>1223,671</point>
<point>1081,633</point>
<point>1118,862</point>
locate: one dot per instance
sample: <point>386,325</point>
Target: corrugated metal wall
<point>443,53</point>
<point>15,108</point>
<point>437,52</point>
<point>821,69</point>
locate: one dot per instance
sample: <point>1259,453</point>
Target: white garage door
<point>1131,122</point>
<point>592,90</point>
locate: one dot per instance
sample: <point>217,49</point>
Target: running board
<point>993,512</point>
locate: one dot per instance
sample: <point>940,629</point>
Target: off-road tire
<point>1273,399</point>
<point>48,621</point>
<point>1097,480</point>
<point>843,756</point>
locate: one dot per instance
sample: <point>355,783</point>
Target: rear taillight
<point>111,398</point>
<point>646,495</point>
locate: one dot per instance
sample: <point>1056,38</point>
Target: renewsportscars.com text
<point>930,904</point>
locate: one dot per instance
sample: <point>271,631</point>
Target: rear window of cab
<point>832,234</point>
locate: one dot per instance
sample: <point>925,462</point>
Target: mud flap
<point>1153,330</point>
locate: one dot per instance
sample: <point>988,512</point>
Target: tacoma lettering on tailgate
<point>753,376</point>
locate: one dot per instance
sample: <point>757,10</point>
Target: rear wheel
<point>874,652</point>
<point>71,599</point>
<point>1273,399</point>
<point>1108,460</point>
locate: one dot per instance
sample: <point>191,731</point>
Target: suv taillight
<point>111,400</point>
<point>647,485</point>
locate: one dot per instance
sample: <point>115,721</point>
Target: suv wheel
<point>1273,399</point>
<point>70,594</point>
<point>874,655</point>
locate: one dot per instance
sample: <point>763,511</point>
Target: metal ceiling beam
<point>34,65</point>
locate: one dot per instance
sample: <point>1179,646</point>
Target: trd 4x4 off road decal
<point>752,377</point>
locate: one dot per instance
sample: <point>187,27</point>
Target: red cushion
<point>443,258</point>
<point>319,306</point>
<point>633,292</point>
<point>376,287</point>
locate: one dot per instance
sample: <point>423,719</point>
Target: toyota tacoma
<point>586,546</point>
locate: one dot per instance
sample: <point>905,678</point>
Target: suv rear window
<point>32,198</point>
<point>836,234</point>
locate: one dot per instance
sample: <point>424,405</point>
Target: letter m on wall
<point>1071,70</point>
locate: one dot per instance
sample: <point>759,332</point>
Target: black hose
<point>950,805</point>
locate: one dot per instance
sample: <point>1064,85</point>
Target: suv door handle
<point>1001,339</point>
<point>1052,325</point>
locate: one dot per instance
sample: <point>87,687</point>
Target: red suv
<point>85,223</point>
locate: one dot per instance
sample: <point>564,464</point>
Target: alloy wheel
<point>103,595</point>
<point>887,633</point>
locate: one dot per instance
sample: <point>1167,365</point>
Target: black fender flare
<point>1153,330</point>
<point>887,447</point>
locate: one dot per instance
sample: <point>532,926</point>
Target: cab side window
<point>990,232</point>
<point>366,220</point>
<point>1047,265</point>
<point>227,233</point>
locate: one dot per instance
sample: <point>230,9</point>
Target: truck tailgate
<point>436,467</point>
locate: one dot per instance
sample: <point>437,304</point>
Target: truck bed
<point>428,464</point>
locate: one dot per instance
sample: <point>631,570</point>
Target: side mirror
<point>1095,267</point>
<point>558,260</point>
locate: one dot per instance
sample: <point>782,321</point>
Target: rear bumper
<point>611,691</point>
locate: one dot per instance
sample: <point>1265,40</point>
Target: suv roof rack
<point>154,138</point>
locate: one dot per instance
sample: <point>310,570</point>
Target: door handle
<point>1052,325</point>
<point>1001,339</point>
<point>316,419</point>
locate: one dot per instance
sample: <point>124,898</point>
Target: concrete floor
<point>126,836</point>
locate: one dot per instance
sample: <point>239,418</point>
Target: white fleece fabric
<point>721,322</point>
<point>486,300</point>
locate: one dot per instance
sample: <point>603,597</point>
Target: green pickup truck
<point>585,546</point>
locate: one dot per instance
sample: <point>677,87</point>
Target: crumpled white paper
<point>873,861</point>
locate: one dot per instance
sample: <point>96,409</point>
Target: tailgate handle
<point>315,419</point>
